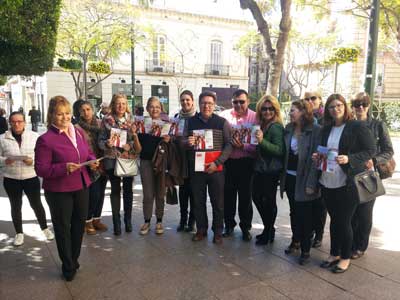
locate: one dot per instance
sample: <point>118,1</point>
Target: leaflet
<point>327,159</point>
<point>17,157</point>
<point>203,139</point>
<point>86,163</point>
<point>118,137</point>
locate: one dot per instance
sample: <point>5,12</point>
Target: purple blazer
<point>52,152</point>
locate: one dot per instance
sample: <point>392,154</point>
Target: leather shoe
<point>246,236</point>
<point>293,247</point>
<point>304,259</point>
<point>338,270</point>
<point>181,227</point>
<point>228,232</point>
<point>217,239</point>
<point>70,275</point>
<point>262,241</point>
<point>357,254</point>
<point>328,264</point>
<point>199,236</point>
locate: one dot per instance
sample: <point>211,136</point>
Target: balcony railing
<point>216,70</point>
<point>165,67</point>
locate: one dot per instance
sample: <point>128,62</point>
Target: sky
<point>219,8</point>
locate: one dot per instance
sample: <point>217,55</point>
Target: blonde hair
<point>154,99</point>
<point>54,104</point>
<point>275,104</point>
<point>113,102</point>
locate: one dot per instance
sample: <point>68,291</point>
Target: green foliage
<point>28,36</point>
<point>343,55</point>
<point>100,67</point>
<point>70,64</point>
<point>391,115</point>
<point>3,80</point>
<point>248,41</point>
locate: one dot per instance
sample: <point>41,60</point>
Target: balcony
<point>216,70</point>
<point>165,68</point>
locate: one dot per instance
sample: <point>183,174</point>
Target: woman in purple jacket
<point>59,154</point>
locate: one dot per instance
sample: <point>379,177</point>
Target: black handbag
<point>368,186</point>
<point>270,165</point>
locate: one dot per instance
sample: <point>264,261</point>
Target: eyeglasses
<point>337,106</point>
<point>265,108</point>
<point>16,122</point>
<point>312,98</point>
<point>359,104</point>
<point>236,102</point>
<point>209,104</point>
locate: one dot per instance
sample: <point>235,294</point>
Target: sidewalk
<point>171,266</point>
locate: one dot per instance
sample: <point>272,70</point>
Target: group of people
<point>77,161</point>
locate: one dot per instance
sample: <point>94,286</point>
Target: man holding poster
<point>239,166</point>
<point>205,165</point>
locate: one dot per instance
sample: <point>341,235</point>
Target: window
<point>216,54</point>
<point>159,51</point>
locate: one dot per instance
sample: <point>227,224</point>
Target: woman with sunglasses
<point>270,146</point>
<point>350,144</point>
<point>362,219</point>
<point>315,99</point>
<point>299,179</point>
<point>319,208</point>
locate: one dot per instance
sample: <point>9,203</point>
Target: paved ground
<point>171,266</point>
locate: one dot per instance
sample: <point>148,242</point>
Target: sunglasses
<point>359,104</point>
<point>241,102</point>
<point>312,98</point>
<point>264,109</point>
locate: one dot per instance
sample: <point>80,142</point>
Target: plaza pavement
<point>171,266</point>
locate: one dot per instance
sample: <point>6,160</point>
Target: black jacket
<point>384,147</point>
<point>357,142</point>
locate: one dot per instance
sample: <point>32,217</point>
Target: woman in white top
<point>350,145</point>
<point>16,157</point>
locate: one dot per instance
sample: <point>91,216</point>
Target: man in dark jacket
<point>35,118</point>
<point>211,177</point>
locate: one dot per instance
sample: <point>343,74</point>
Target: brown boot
<point>89,229</point>
<point>99,226</point>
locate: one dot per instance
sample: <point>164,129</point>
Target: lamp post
<point>133,72</point>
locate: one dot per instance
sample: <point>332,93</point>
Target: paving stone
<point>256,291</point>
<point>381,288</point>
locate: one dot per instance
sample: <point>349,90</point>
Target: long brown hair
<point>304,106</point>
<point>54,104</point>
<point>275,104</point>
<point>328,120</point>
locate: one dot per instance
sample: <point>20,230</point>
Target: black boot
<point>117,224</point>
<point>182,226</point>
<point>128,221</point>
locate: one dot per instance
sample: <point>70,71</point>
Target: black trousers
<point>264,197</point>
<point>238,177</point>
<point>31,187</point>
<point>68,214</point>
<point>341,205</point>
<point>319,217</point>
<point>290,186</point>
<point>96,197</point>
<point>186,197</point>
<point>35,126</point>
<point>215,184</point>
<point>362,225</point>
<point>116,195</point>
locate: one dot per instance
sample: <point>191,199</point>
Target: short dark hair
<point>239,92</point>
<point>208,94</point>
<point>328,120</point>
<point>187,92</point>
<point>362,97</point>
<point>16,113</point>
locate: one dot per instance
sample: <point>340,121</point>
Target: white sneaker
<point>19,239</point>
<point>48,234</point>
<point>144,229</point>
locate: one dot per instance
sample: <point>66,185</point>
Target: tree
<point>277,54</point>
<point>94,32</point>
<point>28,36</point>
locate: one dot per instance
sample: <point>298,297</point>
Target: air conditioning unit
<point>158,69</point>
<point>215,72</point>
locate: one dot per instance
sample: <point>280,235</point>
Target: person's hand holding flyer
<point>327,159</point>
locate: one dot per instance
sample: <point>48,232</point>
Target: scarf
<point>185,115</point>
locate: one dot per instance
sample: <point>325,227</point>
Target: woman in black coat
<point>350,145</point>
<point>362,219</point>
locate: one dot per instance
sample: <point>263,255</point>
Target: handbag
<point>268,165</point>
<point>368,186</point>
<point>386,169</point>
<point>125,167</point>
<point>172,195</point>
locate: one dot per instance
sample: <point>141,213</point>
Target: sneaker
<point>159,228</point>
<point>48,234</point>
<point>19,239</point>
<point>144,229</point>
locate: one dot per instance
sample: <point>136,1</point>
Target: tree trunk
<point>277,56</point>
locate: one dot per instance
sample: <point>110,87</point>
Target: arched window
<point>216,54</point>
<point>159,51</point>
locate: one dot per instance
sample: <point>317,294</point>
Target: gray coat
<point>307,174</point>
